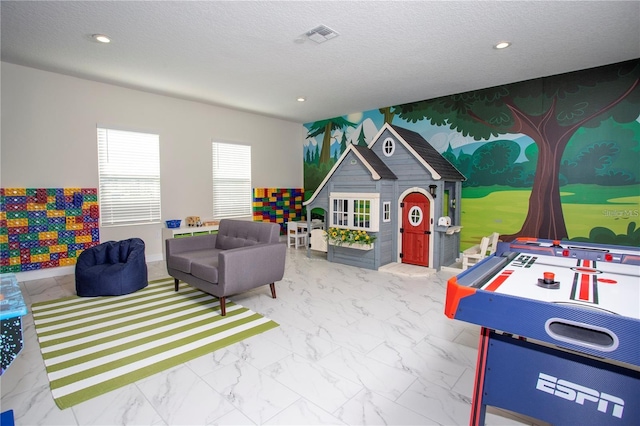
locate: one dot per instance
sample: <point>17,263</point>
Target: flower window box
<point>353,246</point>
<point>350,238</point>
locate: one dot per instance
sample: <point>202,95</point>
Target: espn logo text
<point>579,394</point>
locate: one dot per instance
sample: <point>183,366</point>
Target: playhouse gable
<point>428,153</point>
<point>374,163</point>
<point>354,163</point>
<point>401,148</point>
<point>354,167</point>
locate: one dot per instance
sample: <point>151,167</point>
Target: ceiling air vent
<point>321,33</point>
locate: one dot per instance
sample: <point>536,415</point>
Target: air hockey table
<point>560,331</point>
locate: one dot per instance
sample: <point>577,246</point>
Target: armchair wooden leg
<point>223,307</point>
<point>176,283</point>
<point>273,290</point>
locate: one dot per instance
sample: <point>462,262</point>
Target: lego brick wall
<point>278,205</point>
<point>46,227</point>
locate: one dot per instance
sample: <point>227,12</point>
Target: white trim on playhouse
<point>434,175</point>
<point>350,148</point>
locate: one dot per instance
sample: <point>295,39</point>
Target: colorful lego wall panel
<point>46,227</point>
<point>278,205</point>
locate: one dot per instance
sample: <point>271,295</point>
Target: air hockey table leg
<point>551,384</point>
<point>478,408</point>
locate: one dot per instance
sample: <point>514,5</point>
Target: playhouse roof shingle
<point>429,154</point>
<point>375,162</point>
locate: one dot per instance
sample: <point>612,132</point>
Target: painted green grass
<point>503,209</point>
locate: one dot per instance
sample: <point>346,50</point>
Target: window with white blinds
<point>129,173</point>
<point>231,180</point>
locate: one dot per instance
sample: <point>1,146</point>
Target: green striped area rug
<point>94,345</point>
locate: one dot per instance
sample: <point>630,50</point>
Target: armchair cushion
<point>183,261</point>
<point>206,269</point>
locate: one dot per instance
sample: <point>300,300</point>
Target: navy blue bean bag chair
<point>112,268</point>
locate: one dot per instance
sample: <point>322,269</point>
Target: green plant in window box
<point>340,236</point>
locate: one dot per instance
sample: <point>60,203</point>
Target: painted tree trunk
<point>325,153</point>
<point>545,218</point>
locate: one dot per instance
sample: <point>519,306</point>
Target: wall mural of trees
<point>565,140</point>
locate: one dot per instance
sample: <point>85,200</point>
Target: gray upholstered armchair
<point>242,256</point>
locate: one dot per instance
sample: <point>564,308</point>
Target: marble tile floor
<point>354,347</point>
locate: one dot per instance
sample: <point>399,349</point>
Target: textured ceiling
<point>244,54</point>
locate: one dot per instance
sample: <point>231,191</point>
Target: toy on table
<point>173,223</point>
<point>193,221</point>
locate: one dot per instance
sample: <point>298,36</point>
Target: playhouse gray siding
<point>388,230</point>
<point>353,178</point>
<point>403,164</point>
<point>449,245</point>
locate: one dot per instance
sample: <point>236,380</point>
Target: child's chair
<point>475,254</point>
<point>296,236</point>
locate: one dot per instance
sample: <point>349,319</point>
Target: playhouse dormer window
<point>388,147</point>
<point>354,211</point>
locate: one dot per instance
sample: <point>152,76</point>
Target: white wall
<point>48,140</point>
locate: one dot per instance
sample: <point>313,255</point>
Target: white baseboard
<point>39,274</point>
<point>154,257</point>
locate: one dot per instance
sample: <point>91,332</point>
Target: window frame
<point>349,211</point>
<point>388,147</point>
<point>386,211</point>
<point>137,152</point>
<point>415,216</point>
<point>227,192</point>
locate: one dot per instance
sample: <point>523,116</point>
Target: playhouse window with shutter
<point>354,211</point>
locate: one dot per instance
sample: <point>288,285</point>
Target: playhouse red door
<point>415,229</point>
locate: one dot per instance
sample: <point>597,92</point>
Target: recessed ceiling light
<point>101,38</point>
<point>502,45</point>
<point>301,99</point>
